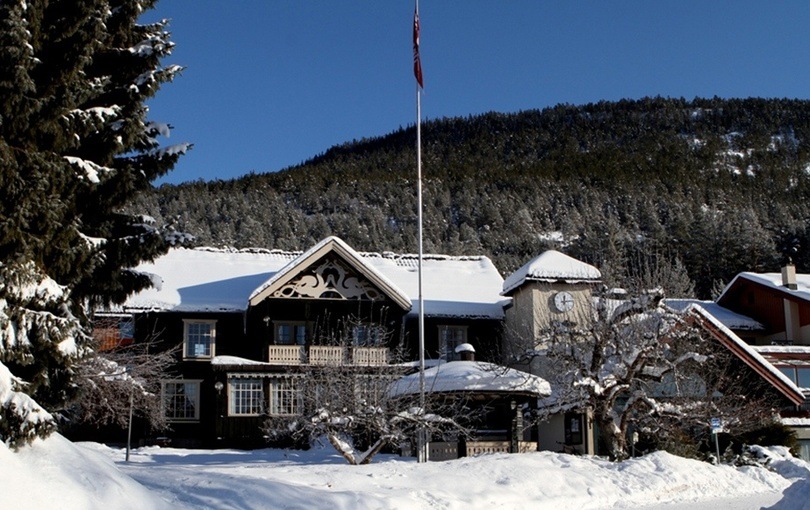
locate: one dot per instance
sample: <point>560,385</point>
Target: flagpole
<point>422,446</point>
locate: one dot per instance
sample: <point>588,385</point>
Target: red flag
<point>417,63</point>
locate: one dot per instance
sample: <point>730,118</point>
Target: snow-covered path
<point>747,502</point>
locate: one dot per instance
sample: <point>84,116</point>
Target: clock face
<point>563,301</point>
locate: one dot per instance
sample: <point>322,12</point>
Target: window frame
<point>445,350</point>
<point>796,373</point>
<point>294,328</point>
<point>212,334</point>
<point>291,403</point>
<point>368,334</point>
<point>245,401</point>
<point>195,383</point>
<point>372,388</point>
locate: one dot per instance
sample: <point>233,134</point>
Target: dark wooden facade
<point>244,342</point>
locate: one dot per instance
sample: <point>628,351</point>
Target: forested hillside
<point>708,188</point>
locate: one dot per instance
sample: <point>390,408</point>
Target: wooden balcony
<point>286,354</point>
<point>327,355</point>
<point>370,356</point>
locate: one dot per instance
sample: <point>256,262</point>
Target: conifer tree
<point>75,146</point>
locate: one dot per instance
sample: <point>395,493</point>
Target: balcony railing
<point>327,355</point>
<point>286,354</point>
<point>371,356</point>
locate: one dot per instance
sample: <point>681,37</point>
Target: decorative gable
<point>329,279</point>
<point>330,270</point>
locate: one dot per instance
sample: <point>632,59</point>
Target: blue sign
<point>717,425</point>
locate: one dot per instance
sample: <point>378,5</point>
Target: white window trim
<point>297,388</point>
<point>213,324</point>
<point>171,419</point>
<point>232,399</point>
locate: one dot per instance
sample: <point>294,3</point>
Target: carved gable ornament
<point>329,280</point>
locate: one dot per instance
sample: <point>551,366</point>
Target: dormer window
<point>198,339</point>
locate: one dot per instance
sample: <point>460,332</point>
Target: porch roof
<point>473,377</point>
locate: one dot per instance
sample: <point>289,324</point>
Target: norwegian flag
<point>417,63</point>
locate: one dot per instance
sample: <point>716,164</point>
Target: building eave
<point>746,354</point>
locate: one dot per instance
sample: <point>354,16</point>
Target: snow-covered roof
<point>796,422</point>
<point>234,361</point>
<point>799,350</point>
<point>209,280</point>
<point>774,281</point>
<point>472,376</point>
<point>451,286</point>
<point>731,320</point>
<point>206,279</point>
<point>552,266</point>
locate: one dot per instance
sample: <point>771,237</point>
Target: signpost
<point>717,427</point>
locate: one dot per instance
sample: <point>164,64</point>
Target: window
<point>799,375</point>
<point>371,389</point>
<point>181,400</point>
<point>451,337</point>
<point>246,397</point>
<point>573,428</point>
<point>291,333</point>
<point>285,397</point>
<point>198,339</point>
<point>367,335</point>
<point>804,449</point>
<point>111,332</point>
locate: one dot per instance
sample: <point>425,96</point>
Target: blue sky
<point>271,83</point>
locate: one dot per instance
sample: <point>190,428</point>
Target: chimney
<point>466,352</point>
<point>789,276</point>
<point>793,332</point>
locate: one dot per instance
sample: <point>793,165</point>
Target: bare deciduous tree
<point>641,366</point>
<point>126,378</point>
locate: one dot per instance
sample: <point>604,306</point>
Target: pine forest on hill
<point>691,191</point>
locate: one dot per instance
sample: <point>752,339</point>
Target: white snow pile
<point>27,409</point>
<point>57,474</point>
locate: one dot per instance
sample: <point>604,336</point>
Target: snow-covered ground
<point>58,474</point>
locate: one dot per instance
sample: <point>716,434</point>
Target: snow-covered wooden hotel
<point>250,322</point>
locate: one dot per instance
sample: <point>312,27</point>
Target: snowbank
<point>57,474</point>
